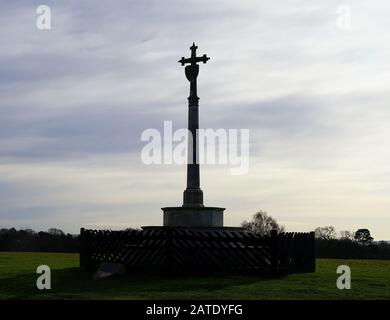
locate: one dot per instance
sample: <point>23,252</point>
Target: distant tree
<point>325,233</point>
<point>131,229</point>
<point>55,232</point>
<point>363,236</point>
<point>347,235</point>
<point>30,232</point>
<point>262,224</point>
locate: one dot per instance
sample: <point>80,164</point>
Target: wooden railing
<point>183,250</point>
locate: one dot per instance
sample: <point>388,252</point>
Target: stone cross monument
<point>193,213</point>
<point>193,195</point>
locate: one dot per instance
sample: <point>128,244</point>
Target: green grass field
<point>370,280</point>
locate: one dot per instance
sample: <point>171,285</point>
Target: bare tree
<point>347,235</point>
<point>262,224</point>
<point>325,233</point>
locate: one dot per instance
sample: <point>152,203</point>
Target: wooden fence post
<point>312,257</point>
<point>274,251</point>
<point>85,253</point>
<point>82,258</point>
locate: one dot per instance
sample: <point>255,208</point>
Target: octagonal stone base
<point>193,216</point>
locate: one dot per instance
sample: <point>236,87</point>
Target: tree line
<point>329,244</point>
<point>52,240</point>
<point>349,244</point>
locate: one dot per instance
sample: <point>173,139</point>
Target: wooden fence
<point>185,250</point>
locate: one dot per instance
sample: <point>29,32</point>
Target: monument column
<point>193,213</point>
<point>193,195</point>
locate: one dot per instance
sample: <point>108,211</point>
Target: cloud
<point>76,99</point>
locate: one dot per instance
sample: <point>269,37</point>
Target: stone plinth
<point>193,217</point>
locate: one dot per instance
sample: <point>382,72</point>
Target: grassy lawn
<point>370,280</point>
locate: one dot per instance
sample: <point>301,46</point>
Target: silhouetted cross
<point>193,195</point>
<point>194,59</point>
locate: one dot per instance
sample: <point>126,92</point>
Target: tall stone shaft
<point>193,195</point>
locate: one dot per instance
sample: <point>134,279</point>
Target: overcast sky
<point>75,100</point>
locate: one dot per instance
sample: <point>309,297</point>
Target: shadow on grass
<point>74,283</point>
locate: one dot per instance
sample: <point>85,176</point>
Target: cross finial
<point>193,50</point>
<point>194,59</point>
